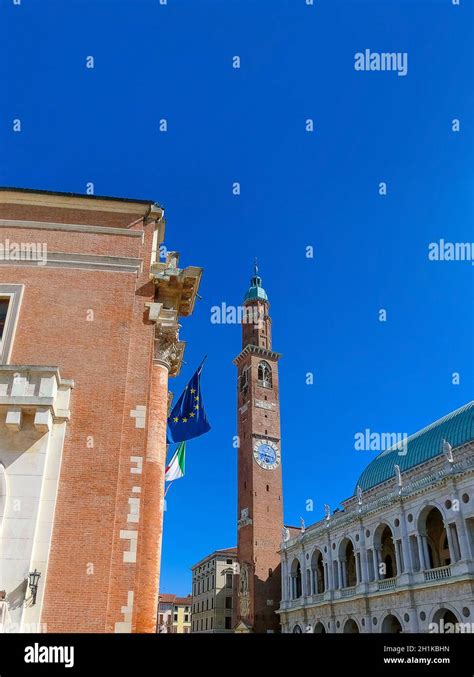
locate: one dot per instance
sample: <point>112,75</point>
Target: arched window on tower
<point>264,375</point>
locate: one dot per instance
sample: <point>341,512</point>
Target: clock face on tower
<point>266,454</point>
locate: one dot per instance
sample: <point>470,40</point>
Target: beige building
<point>213,592</point>
<point>174,614</point>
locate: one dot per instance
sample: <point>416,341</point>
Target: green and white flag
<point>175,468</point>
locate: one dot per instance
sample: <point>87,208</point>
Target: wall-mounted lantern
<point>33,577</point>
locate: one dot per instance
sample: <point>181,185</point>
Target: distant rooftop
<point>216,553</point>
<point>174,599</point>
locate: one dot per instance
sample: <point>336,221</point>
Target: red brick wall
<point>109,359</point>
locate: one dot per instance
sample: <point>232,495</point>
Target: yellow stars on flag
<point>185,419</point>
<point>188,417</point>
<point>192,414</point>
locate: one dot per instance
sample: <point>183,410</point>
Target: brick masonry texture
<point>93,325</point>
<point>260,489</point>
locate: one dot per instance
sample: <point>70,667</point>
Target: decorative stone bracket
<point>176,292</point>
<point>176,287</point>
<point>35,390</point>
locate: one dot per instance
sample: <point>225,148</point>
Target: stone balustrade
<point>438,574</point>
<point>387,583</point>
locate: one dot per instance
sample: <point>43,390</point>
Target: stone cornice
<point>258,352</point>
<point>37,198</point>
<point>114,264</point>
<point>70,227</point>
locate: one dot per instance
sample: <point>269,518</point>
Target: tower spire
<point>255,292</point>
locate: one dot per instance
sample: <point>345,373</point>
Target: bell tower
<point>260,500</point>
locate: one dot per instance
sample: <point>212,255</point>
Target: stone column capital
<point>168,349</point>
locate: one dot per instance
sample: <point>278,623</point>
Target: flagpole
<point>199,369</point>
<point>167,488</point>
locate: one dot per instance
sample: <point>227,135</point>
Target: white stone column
<point>284,578</point>
<point>424,552</point>
<point>424,540</point>
<point>452,549</point>
<point>330,583</point>
<point>377,555</point>
<point>463,538</point>
<point>461,528</point>
<point>421,554</point>
<point>344,572</point>
<point>309,575</point>
<point>398,567</point>
<point>405,544</point>
<point>369,559</point>
<point>364,563</point>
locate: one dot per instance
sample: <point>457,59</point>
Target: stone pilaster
<point>175,295</point>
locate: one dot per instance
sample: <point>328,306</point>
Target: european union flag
<point>188,418</point>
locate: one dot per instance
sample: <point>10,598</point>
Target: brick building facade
<point>89,338</point>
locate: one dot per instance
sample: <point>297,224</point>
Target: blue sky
<point>298,189</point>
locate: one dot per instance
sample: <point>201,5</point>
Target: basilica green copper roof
<point>256,291</point>
<point>457,428</point>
